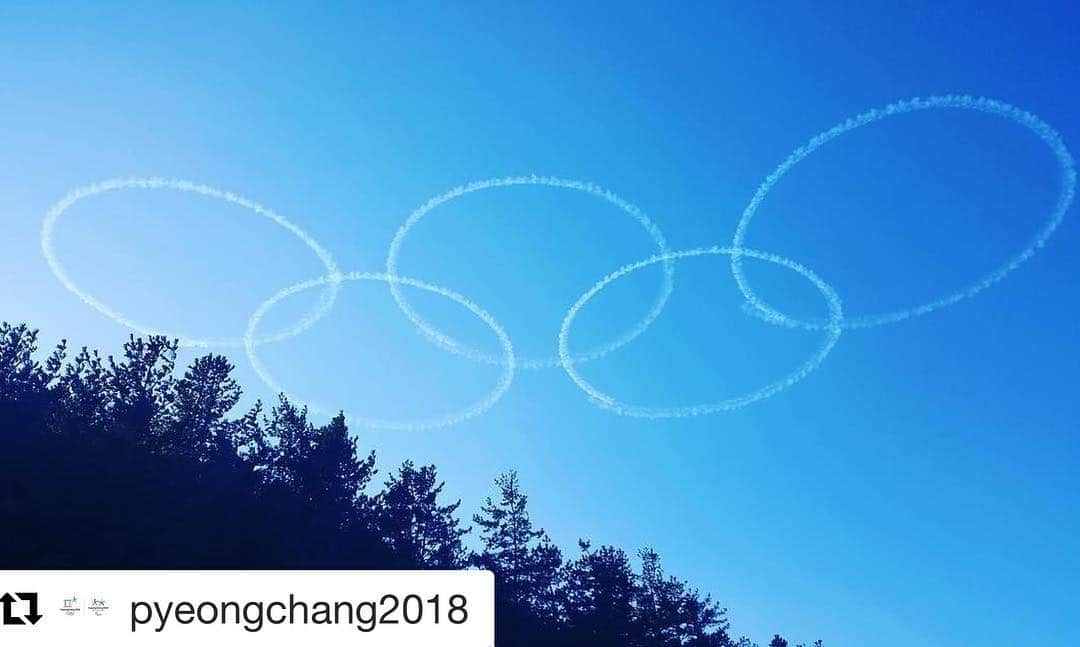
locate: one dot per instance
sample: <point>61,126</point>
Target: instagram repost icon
<point>19,610</point>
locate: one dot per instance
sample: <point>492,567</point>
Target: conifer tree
<point>84,396</point>
<point>204,397</point>
<point>24,382</point>
<point>523,558</point>
<point>323,466</point>
<point>149,471</point>
<point>601,589</point>
<point>413,523</point>
<point>672,614</point>
<point>287,441</point>
<point>142,386</point>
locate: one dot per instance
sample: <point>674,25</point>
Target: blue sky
<point>918,488</point>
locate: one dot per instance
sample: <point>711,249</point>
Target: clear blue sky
<point>919,488</point>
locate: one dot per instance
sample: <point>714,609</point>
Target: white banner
<point>265,608</point>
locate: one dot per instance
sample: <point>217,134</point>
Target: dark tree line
<point>117,463</point>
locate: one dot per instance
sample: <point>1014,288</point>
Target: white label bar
<point>265,608</point>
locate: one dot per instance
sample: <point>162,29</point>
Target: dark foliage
<point>115,463</point>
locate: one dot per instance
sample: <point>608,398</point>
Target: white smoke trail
<point>964,102</point>
<point>454,346</point>
<point>605,401</point>
<point>508,362</point>
<point>49,224</point>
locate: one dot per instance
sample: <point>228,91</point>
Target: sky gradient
<point>919,487</point>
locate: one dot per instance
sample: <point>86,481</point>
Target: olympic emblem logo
<point>735,251</point>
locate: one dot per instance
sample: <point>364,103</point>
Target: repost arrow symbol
<point>7,600</point>
<point>32,598</point>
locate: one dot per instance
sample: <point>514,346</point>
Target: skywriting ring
<point>456,347</point>
<point>991,106</point>
<point>48,227</point>
<point>509,362</point>
<point>833,330</point>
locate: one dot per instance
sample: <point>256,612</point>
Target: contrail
<point>454,346</point>
<point>833,329</point>
<point>508,362</point>
<point>964,102</point>
<point>49,224</point>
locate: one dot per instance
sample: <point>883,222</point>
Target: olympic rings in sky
<point>831,327</point>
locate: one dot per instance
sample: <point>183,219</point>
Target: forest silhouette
<point>121,463</point>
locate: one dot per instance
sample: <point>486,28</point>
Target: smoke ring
<point>449,343</point>
<point>509,362</point>
<point>48,227</point>
<point>605,401</point>
<point>991,106</point>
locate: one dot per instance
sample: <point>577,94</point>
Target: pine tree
<point>84,397</point>
<point>142,386</point>
<point>24,382</point>
<point>328,472</point>
<point>547,588</point>
<point>204,397</point>
<point>601,589</point>
<point>286,441</point>
<point>21,376</point>
<point>413,523</point>
<point>250,439</point>
<point>151,472</point>
<point>522,558</point>
<point>671,614</point>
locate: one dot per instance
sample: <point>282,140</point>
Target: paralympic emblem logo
<point>98,606</point>
<point>735,251</point>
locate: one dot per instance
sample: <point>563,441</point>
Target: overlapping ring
<point>456,347</point>
<point>836,317</point>
<point>1066,165</point>
<point>508,364</point>
<point>833,326</point>
<point>48,226</point>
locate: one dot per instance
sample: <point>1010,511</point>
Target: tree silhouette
<point>600,598</point>
<point>114,463</point>
<point>523,558</point>
<point>413,523</point>
<point>204,397</point>
<point>142,385</point>
<point>82,396</point>
<point>528,567</point>
<point>674,615</point>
